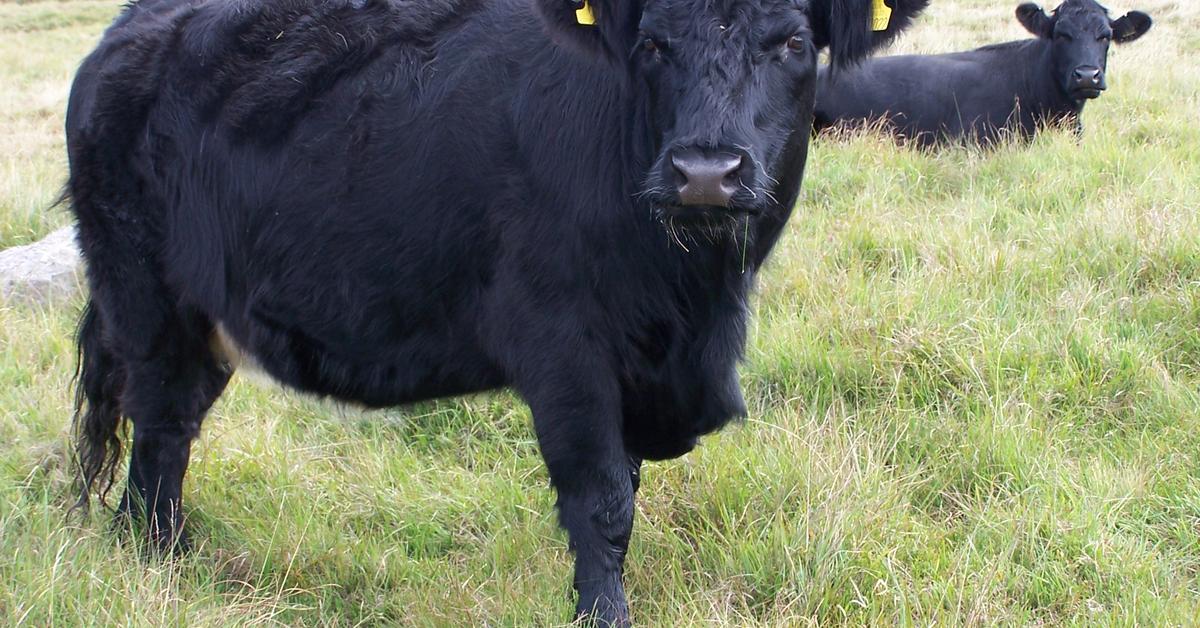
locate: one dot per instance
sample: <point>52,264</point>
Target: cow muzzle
<point>708,178</point>
<point>1087,81</point>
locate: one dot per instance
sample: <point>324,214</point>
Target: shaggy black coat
<point>1009,89</point>
<point>385,201</point>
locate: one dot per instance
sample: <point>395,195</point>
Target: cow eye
<point>795,43</point>
<point>649,45</point>
<point>1104,38</point>
<point>1063,36</point>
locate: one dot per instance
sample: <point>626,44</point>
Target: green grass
<point>41,44</point>
<point>974,382</point>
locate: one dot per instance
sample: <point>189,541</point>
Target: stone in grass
<point>47,270</point>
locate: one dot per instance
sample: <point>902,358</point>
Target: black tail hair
<point>97,428</point>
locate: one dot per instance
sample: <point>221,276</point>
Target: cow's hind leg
<point>147,360</point>
<point>144,355</point>
<point>166,396</point>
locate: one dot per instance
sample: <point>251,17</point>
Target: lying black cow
<point>1007,89</point>
<point>387,201</point>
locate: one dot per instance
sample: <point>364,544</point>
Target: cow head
<point>727,86</point>
<point>1079,33</point>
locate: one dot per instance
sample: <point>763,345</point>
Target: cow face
<point>1080,32</point>
<point>726,87</point>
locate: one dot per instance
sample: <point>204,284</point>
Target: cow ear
<point>853,29</point>
<point>603,28</point>
<point>1130,26</point>
<point>1035,20</point>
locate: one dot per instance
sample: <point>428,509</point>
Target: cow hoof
<point>603,614</point>
<point>175,545</point>
<point>159,543</point>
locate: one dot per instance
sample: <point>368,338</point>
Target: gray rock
<point>46,270</point>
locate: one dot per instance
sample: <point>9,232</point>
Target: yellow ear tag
<point>881,16</point>
<point>584,14</point>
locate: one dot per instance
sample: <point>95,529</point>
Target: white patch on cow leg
<point>226,350</point>
<point>230,352</point>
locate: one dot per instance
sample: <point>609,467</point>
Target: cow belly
<point>373,370</point>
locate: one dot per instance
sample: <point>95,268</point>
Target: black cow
<point>386,201</point>
<point>983,95</point>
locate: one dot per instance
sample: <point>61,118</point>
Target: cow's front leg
<point>577,419</point>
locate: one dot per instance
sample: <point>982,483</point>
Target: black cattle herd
<point>383,201</point>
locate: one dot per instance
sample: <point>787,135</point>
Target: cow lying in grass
<point>983,95</point>
<point>385,201</point>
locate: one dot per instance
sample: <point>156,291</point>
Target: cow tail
<point>97,427</point>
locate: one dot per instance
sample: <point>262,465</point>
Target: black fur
<point>982,95</point>
<point>389,200</point>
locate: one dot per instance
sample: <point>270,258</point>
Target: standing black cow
<point>1013,88</point>
<point>386,201</point>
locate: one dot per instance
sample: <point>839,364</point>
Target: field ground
<point>974,381</point>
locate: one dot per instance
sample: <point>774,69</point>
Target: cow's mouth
<point>1086,93</point>
<point>703,213</point>
<point>669,208</point>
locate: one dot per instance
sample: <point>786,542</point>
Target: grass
<point>974,381</point>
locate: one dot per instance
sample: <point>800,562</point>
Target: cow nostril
<point>733,175</point>
<point>679,171</point>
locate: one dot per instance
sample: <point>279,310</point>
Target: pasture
<point>973,378</point>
